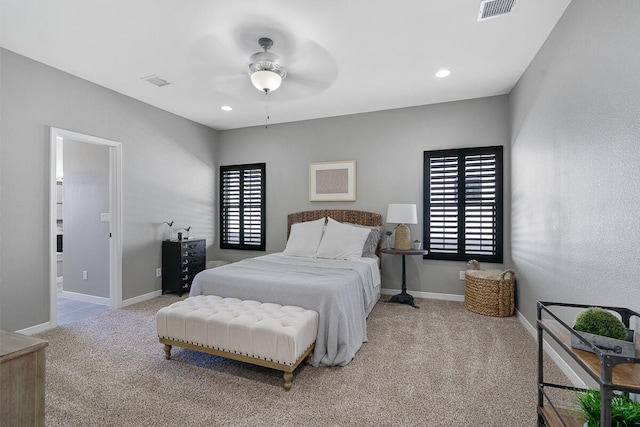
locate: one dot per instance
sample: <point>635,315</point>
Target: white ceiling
<point>343,56</point>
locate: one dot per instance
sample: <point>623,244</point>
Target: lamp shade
<point>402,214</point>
<point>266,81</point>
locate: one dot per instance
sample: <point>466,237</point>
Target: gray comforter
<point>340,291</point>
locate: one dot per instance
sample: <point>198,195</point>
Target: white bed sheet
<point>342,292</point>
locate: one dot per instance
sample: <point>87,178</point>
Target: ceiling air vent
<point>494,8</point>
<point>155,80</point>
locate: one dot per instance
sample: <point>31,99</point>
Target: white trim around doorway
<point>115,207</point>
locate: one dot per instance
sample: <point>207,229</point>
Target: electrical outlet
<point>158,272</point>
<point>84,275</point>
<point>462,275</point>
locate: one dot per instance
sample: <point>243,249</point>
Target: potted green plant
<point>417,244</point>
<point>605,331</point>
<point>625,412</point>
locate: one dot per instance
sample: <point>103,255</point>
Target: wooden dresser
<point>22,380</point>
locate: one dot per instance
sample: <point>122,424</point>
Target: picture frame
<point>332,181</point>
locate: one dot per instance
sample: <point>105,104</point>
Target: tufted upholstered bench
<point>265,334</point>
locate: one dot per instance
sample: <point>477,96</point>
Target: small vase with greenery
<point>604,330</point>
<point>625,412</point>
<point>598,321</point>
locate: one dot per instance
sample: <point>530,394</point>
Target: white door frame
<point>115,225</point>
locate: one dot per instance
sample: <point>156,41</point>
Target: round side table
<point>403,297</point>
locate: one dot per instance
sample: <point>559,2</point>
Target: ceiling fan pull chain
<point>266,108</point>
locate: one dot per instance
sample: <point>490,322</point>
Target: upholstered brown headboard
<point>369,219</point>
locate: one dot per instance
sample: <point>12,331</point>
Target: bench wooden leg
<point>286,369</point>
<point>288,376</point>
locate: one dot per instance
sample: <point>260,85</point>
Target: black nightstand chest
<point>181,261</point>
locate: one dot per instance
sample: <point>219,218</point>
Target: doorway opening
<point>112,219</point>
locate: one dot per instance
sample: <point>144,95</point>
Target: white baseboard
<point>87,298</point>
<point>141,298</point>
<point>35,329</point>
<point>105,301</point>
<point>84,297</point>
<point>559,361</point>
<point>430,295</point>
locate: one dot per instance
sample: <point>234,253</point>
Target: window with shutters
<point>243,207</point>
<point>463,204</point>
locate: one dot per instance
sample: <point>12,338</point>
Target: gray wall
<point>570,130</point>
<point>388,147</point>
<point>86,237</point>
<point>575,155</point>
<point>169,173</point>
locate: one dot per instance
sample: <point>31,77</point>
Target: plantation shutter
<point>242,207</point>
<point>230,212</point>
<point>253,207</point>
<point>443,206</point>
<point>463,204</point>
<point>480,217</point>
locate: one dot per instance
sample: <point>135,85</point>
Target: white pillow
<point>304,238</point>
<point>342,241</point>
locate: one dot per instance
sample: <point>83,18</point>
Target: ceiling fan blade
<point>314,85</point>
<point>312,70</point>
<point>216,62</point>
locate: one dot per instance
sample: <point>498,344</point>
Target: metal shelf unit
<point>611,372</point>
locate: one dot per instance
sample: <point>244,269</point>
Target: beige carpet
<point>437,366</point>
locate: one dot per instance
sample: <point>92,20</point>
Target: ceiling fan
<point>225,61</point>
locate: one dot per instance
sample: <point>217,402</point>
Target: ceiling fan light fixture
<point>265,69</point>
<point>266,81</point>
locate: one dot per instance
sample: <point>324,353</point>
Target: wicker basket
<point>489,292</point>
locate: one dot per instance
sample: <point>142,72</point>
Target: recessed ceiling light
<point>443,73</point>
<point>226,108</point>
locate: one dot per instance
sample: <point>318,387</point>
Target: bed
<point>318,270</point>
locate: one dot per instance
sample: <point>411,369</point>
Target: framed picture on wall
<point>332,181</point>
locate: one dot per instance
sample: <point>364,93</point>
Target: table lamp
<point>402,214</point>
